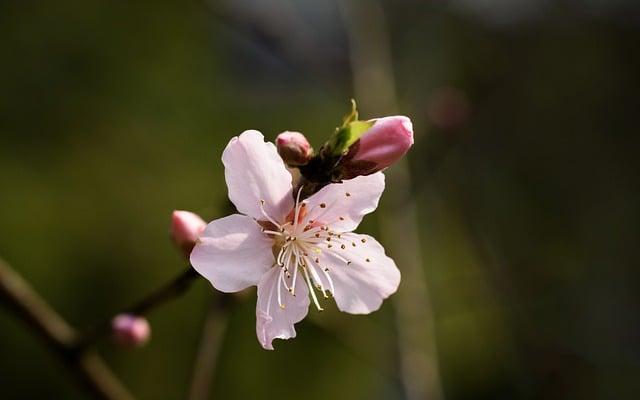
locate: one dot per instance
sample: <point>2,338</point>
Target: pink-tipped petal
<point>255,172</point>
<point>369,278</point>
<point>272,320</point>
<point>346,203</point>
<point>232,253</point>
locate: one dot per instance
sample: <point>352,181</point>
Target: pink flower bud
<point>130,330</point>
<point>382,145</point>
<point>186,227</point>
<point>294,148</point>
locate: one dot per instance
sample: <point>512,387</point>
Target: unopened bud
<point>380,146</point>
<point>186,227</point>
<point>130,330</point>
<point>294,148</point>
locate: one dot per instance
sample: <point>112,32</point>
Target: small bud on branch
<point>294,148</point>
<point>383,144</point>
<point>130,330</point>
<point>186,227</point>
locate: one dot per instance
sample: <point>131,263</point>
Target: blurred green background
<point>525,174</point>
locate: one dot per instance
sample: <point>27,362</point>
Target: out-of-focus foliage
<point>525,169</point>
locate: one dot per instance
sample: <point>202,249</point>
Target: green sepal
<point>347,134</point>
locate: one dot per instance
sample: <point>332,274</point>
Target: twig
<point>169,291</point>
<point>374,87</point>
<point>86,366</point>
<point>213,333</point>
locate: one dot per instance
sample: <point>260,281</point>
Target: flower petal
<point>273,321</point>
<point>343,205</point>
<point>232,253</point>
<point>368,278</point>
<point>254,171</point>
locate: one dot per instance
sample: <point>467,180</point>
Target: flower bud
<point>380,146</point>
<point>186,227</point>
<point>294,148</point>
<point>130,330</point>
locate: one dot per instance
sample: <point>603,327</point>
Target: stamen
<point>297,213</point>
<point>325,271</point>
<point>280,291</point>
<point>312,290</point>
<point>284,281</point>
<point>262,210</point>
<point>316,277</point>
<point>295,276</point>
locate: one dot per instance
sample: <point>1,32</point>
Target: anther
<point>341,218</point>
<point>363,240</point>
<point>322,205</point>
<point>353,244</point>
<point>343,247</point>
<point>348,194</point>
<point>368,260</point>
<point>317,235</point>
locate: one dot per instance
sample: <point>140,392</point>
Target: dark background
<point>525,174</point>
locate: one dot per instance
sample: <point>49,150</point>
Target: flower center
<point>298,246</point>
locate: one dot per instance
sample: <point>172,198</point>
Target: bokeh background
<point>524,176</point>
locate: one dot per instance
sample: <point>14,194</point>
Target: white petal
<point>254,171</point>
<point>233,253</point>
<point>360,286</point>
<point>346,203</point>
<point>273,321</point>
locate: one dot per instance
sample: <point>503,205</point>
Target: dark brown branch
<point>59,336</point>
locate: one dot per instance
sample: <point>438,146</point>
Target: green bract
<point>347,134</point>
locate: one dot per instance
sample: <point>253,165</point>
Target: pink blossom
<point>296,252</point>
<point>130,330</point>
<point>185,229</point>
<point>382,145</point>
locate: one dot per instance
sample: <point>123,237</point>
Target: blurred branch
<point>213,332</point>
<point>87,366</point>
<point>374,87</point>
<point>171,290</point>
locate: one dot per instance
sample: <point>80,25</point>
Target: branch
<point>86,366</point>
<point>372,69</point>
<point>169,291</point>
<point>213,332</point>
